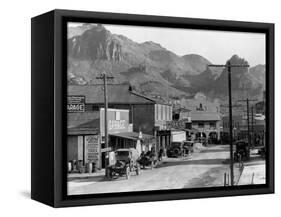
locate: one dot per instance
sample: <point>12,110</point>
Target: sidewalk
<point>253,173</point>
<point>99,173</point>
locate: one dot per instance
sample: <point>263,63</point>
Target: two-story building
<point>205,117</point>
<point>240,128</point>
<point>145,115</point>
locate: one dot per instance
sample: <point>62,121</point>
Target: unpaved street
<point>202,169</point>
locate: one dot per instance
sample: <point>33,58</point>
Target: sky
<point>216,46</point>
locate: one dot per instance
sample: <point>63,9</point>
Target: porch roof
<point>132,135</point>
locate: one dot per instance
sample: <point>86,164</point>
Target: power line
<point>229,66</point>
<point>248,118</point>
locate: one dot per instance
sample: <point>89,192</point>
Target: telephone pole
<point>105,77</point>
<point>229,66</point>
<point>248,119</point>
<point>253,134</point>
<point>248,123</point>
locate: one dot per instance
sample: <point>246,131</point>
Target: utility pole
<point>248,123</point>
<point>229,66</point>
<point>105,77</point>
<point>233,106</point>
<point>248,119</point>
<point>265,116</point>
<point>252,115</point>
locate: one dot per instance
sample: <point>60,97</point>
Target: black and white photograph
<point>157,108</point>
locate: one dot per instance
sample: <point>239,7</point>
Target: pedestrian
<point>160,154</point>
<point>153,155</point>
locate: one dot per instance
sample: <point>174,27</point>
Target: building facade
<point>205,117</point>
<point>134,120</point>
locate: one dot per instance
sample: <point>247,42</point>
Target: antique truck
<point>126,162</point>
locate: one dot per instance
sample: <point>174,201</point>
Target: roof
<point>204,116</point>
<point>193,130</point>
<point>83,123</point>
<point>156,99</point>
<point>82,131</point>
<point>178,109</point>
<point>124,149</point>
<point>194,104</point>
<point>80,118</point>
<point>132,135</point>
<point>117,93</point>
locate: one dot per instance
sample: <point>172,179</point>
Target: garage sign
<point>76,104</point>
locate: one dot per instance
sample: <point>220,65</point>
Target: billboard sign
<point>117,121</point>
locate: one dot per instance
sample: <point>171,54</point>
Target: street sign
<point>76,104</point>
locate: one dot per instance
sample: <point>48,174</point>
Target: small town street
<point>202,169</point>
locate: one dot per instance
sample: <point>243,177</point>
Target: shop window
<point>176,116</point>
<point>95,108</point>
<point>117,115</point>
<point>188,126</point>
<point>212,124</point>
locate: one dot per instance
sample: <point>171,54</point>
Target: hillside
<point>149,67</point>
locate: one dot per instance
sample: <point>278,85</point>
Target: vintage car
<point>148,159</point>
<point>179,149</point>
<point>242,151</point>
<point>126,162</point>
<point>188,146</point>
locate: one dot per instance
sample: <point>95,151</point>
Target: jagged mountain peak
<point>149,66</point>
<point>197,62</point>
<point>95,43</point>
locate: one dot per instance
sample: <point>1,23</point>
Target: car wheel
<point>176,152</point>
<point>128,173</point>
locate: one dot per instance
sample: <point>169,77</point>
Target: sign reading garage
<point>76,104</point>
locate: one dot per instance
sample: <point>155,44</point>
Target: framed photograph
<point>134,108</point>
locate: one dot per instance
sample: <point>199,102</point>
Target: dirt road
<point>204,169</point>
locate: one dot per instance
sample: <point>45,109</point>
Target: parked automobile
<point>147,159</point>
<point>188,146</point>
<point>242,150</point>
<point>179,149</point>
<point>126,162</point>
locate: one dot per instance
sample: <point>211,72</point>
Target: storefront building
<point>146,115</point>
<point>86,135</point>
<point>205,117</point>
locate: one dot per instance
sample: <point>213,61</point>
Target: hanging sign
<point>75,103</point>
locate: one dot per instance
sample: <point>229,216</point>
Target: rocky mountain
<point>149,67</point>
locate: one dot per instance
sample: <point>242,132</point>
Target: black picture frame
<point>48,37</point>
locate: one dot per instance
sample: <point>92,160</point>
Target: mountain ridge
<point>149,67</point>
